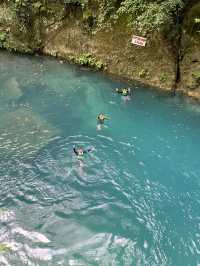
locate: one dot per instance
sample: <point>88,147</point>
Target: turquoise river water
<point>134,200</point>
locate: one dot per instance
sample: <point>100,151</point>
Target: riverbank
<point>68,34</point>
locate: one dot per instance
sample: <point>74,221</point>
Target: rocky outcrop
<point>190,52</point>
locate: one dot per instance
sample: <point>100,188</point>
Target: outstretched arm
<point>89,150</point>
<point>75,151</point>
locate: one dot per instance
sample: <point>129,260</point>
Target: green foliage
<point>25,10</point>
<point>197,20</point>
<point>163,77</point>
<point>37,7</point>
<point>147,16</point>
<point>196,77</point>
<point>3,39</point>
<point>6,43</point>
<point>88,60</point>
<point>144,73</point>
<point>81,2</point>
<point>106,13</point>
<point>142,15</point>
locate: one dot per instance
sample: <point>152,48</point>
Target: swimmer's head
<point>101,116</point>
<point>80,151</point>
<point>125,91</point>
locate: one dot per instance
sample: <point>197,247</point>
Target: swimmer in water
<point>100,120</point>
<point>123,91</point>
<point>79,151</point>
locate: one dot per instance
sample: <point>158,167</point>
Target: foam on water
<point>134,200</point>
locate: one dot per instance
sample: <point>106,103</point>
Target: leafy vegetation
<point>3,39</point>
<point>145,16</point>
<point>88,60</point>
<point>144,73</point>
<point>197,22</point>
<point>163,77</point>
<point>150,16</point>
<point>196,77</point>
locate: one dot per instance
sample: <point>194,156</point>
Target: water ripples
<point>134,200</point>
<point>129,214</point>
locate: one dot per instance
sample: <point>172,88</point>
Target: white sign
<point>141,41</point>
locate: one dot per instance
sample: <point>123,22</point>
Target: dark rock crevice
<point>177,46</point>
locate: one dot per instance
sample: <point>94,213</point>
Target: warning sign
<point>141,41</point>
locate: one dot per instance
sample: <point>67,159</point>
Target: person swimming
<point>101,118</point>
<point>80,151</point>
<point>123,91</point>
<point>100,121</point>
